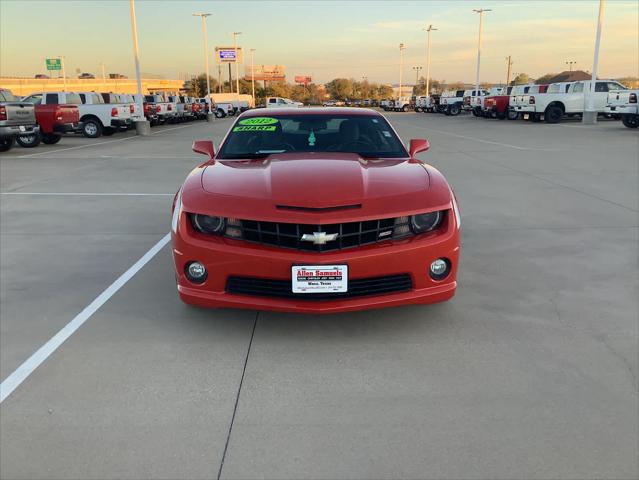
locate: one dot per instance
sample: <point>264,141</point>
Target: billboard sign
<point>53,63</point>
<point>303,79</point>
<point>273,73</point>
<point>227,55</point>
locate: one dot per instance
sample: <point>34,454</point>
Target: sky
<point>325,39</point>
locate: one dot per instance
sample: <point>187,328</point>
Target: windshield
<point>366,135</point>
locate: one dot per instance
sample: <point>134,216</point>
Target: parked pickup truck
<point>422,103</point>
<point>110,117</point>
<point>624,103</point>
<point>16,118</point>
<point>124,99</point>
<point>165,110</point>
<point>451,102</point>
<point>474,100</point>
<point>224,109</point>
<point>54,121</point>
<point>279,102</point>
<point>568,99</point>
<point>496,103</point>
<point>402,104</point>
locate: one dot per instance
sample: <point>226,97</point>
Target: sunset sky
<point>326,39</point>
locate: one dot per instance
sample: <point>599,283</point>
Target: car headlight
<point>207,223</point>
<point>426,222</point>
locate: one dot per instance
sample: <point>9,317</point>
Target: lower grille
<point>282,288</point>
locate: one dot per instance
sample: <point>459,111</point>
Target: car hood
<point>341,185</point>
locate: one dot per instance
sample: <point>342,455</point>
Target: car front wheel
<point>454,110</point>
<point>6,144</point>
<point>92,128</point>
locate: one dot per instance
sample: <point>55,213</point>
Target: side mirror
<point>205,147</point>
<point>418,145</point>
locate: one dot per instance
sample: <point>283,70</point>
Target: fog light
<point>196,272</point>
<point>439,269</point>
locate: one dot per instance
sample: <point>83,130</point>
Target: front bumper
<point>225,257</point>
<point>15,130</point>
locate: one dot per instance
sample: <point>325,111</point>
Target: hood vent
<point>320,209</point>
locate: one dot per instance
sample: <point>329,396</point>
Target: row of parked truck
<point>550,103</point>
<point>47,116</point>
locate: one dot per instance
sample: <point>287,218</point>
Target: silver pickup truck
<point>16,118</point>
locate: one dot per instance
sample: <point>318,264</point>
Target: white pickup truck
<point>165,111</point>
<point>402,104</point>
<point>451,101</point>
<point>624,103</point>
<point>567,99</point>
<point>474,99</point>
<point>279,102</point>
<point>97,117</point>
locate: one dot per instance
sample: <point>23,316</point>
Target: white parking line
<point>100,143</point>
<point>83,194</point>
<point>490,142</point>
<point>14,380</point>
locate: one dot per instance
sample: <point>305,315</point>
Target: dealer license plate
<point>22,128</point>
<point>319,278</point>
<point>526,115</point>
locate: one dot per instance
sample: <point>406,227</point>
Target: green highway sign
<point>53,63</point>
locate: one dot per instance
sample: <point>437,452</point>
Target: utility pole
<point>142,127</point>
<point>104,85</point>
<point>417,69</point>
<point>206,62</point>
<point>570,63</point>
<point>401,67</point>
<point>64,71</point>
<point>428,30</point>
<point>253,75</point>
<point>481,26</point>
<point>590,115</point>
<point>237,74</point>
<point>510,64</point>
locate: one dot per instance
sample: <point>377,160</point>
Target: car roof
<point>261,112</point>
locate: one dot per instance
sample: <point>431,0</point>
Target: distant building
<point>574,76</point>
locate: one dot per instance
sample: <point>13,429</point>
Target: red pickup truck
<point>54,120</point>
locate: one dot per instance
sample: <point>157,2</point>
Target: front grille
<point>283,289</point>
<point>289,235</point>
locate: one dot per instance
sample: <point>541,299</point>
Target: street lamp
<point>428,30</point>
<point>590,115</point>
<point>571,63</point>
<point>237,75</point>
<point>481,26</point>
<point>142,127</point>
<point>253,75</point>
<point>417,69</point>
<point>402,47</point>
<point>206,59</point>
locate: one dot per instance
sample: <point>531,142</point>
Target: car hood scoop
<point>325,181</point>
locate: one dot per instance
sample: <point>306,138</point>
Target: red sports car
<point>314,210</point>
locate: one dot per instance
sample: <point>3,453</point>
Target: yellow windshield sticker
<point>255,128</point>
<point>258,121</point>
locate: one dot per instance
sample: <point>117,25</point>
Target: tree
<point>384,91</point>
<point>545,78</point>
<point>340,88</point>
<point>521,79</point>
<point>196,87</point>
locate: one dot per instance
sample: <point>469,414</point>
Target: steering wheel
<point>355,144</point>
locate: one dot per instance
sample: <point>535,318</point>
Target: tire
<point>553,114</point>
<point>6,144</point>
<point>92,128</point>
<point>418,109</point>
<point>405,108</point>
<point>477,112</point>
<point>492,114</point>
<point>454,110</point>
<point>512,115</point>
<point>51,138</point>
<point>108,131</point>
<point>630,121</point>
<point>28,141</point>
<point>219,113</point>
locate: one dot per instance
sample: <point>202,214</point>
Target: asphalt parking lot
<point>529,372</point>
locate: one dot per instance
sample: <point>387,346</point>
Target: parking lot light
<point>428,30</point>
<point>590,115</point>
<point>206,63</point>
<point>481,26</point>
<point>402,47</point>
<point>142,127</point>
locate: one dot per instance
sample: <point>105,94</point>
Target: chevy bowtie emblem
<point>319,238</point>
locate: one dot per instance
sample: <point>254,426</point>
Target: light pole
<point>481,26</point>
<point>237,75</point>
<point>103,76</point>
<point>253,75</point>
<point>590,115</point>
<point>571,63</point>
<point>401,67</point>
<point>417,69</point>
<point>64,71</point>
<point>142,127</point>
<point>206,62</point>
<point>428,30</point>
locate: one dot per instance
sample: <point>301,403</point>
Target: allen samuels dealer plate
<point>319,278</point>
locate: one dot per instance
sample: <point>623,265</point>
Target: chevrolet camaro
<point>316,210</point>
